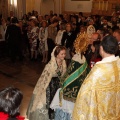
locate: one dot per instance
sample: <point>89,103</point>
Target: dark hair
<point>68,23</point>
<point>82,26</point>
<point>109,44</point>
<point>58,49</point>
<point>117,31</point>
<point>105,18</point>
<point>34,20</point>
<point>10,100</point>
<point>46,15</point>
<point>114,23</point>
<point>14,20</point>
<point>55,14</point>
<point>61,16</point>
<point>44,21</point>
<point>62,25</point>
<point>96,44</point>
<point>55,21</point>
<point>80,13</point>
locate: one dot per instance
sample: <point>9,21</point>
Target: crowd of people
<point>38,35</point>
<point>81,79</point>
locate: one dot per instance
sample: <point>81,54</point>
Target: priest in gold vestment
<point>99,95</point>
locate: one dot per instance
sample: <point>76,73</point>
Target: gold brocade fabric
<point>99,96</point>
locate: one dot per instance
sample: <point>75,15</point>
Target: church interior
<point>25,73</point>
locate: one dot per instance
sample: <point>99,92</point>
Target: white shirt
<point>3,31</point>
<point>59,37</point>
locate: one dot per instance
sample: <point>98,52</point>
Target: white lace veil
<point>52,54</point>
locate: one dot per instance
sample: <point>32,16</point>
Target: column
<point>62,6</point>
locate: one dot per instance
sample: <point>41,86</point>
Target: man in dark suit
<point>116,34</point>
<point>11,16</point>
<point>13,37</point>
<point>105,25</point>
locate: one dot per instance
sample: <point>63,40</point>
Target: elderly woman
<point>43,34</point>
<point>99,95</point>
<point>33,36</point>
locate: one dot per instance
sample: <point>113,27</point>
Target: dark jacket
<point>118,52</point>
<point>68,39</point>
<point>13,34</point>
<point>88,54</point>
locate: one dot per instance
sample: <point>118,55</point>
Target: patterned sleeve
<point>52,32</point>
<point>39,34</point>
<point>46,34</point>
<point>35,34</point>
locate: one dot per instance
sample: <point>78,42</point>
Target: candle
<point>106,5</point>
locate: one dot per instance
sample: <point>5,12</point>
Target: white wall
<point>78,6</point>
<point>43,6</point>
<point>57,6</point>
<point>46,6</point>
<point>37,6</point>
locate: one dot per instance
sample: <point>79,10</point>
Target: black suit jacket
<point>13,34</point>
<point>68,39</point>
<point>9,18</point>
<point>105,26</point>
<point>88,54</point>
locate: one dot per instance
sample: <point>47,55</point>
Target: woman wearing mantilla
<point>47,86</point>
<point>65,97</point>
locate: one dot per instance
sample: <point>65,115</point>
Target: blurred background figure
<point>52,32</point>
<point>3,28</point>
<point>116,34</point>
<point>43,35</point>
<point>67,41</point>
<point>11,16</point>
<point>14,38</point>
<point>33,36</point>
<point>95,47</point>
<point>88,54</point>
<point>60,34</point>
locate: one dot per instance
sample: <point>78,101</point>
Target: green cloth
<point>72,80</point>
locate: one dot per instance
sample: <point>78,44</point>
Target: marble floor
<point>22,75</point>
